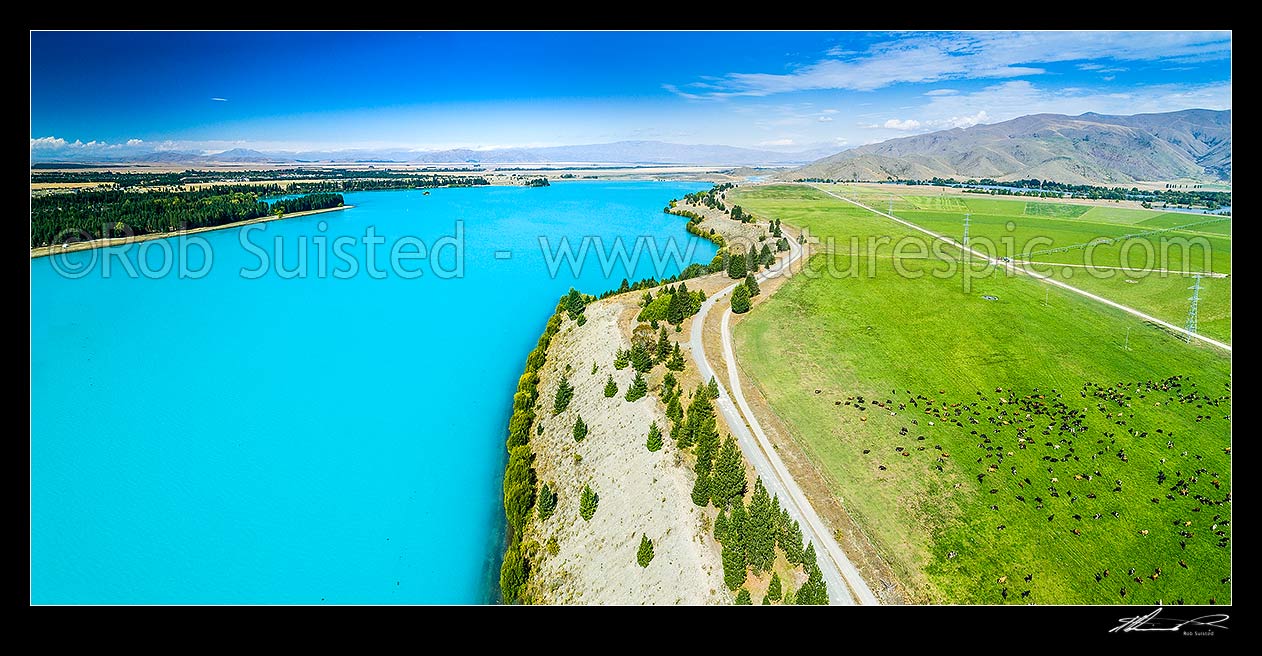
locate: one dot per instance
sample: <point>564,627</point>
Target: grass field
<point>1013,227</point>
<point>1035,420</point>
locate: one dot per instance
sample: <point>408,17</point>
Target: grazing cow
<point>1029,577</point>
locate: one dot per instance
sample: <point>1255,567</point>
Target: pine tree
<point>814,592</point>
<point>736,266</point>
<point>575,303</point>
<point>773,589</point>
<point>707,437</point>
<point>701,489</point>
<point>736,528</point>
<point>641,357</point>
<point>740,300</point>
<point>648,298</point>
<point>676,361</point>
<point>733,564</point>
<point>547,503</point>
<point>669,385</point>
<point>611,388</point>
<point>593,368</point>
<point>674,411</point>
<point>580,429</point>
<point>621,359</point>
<point>638,389</point>
<point>791,544</point>
<point>565,392</point>
<point>760,538</point>
<point>720,526</point>
<point>587,503</point>
<point>645,554</point>
<point>677,308</point>
<point>624,287</point>
<point>743,599</point>
<point>766,601</point>
<point>713,388</point>
<point>782,245</point>
<point>765,256</point>
<point>729,475</point>
<point>752,285</point>
<point>655,438</point>
<point>663,346</point>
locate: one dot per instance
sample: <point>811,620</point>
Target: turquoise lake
<point>281,439</point>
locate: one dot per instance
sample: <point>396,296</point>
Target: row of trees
<point>742,295</point>
<point>673,304</point>
<point>519,474</point>
<point>104,214</point>
<point>749,534</point>
<point>131,179</point>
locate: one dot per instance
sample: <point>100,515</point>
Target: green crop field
<point>1015,227</point>
<point>1041,439</point>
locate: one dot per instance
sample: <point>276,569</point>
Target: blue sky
<point>123,92</point>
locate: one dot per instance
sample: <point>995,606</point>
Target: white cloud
<point>220,99</point>
<point>777,142</point>
<point>941,92</point>
<point>970,55</point>
<point>907,125</point>
<point>824,119</point>
<point>135,142</point>
<point>1015,98</point>
<point>48,143</point>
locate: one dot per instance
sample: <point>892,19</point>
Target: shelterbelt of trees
<point>103,214</point>
<point>130,179</point>
<point>96,214</point>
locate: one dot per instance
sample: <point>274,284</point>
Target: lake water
<point>303,440</point>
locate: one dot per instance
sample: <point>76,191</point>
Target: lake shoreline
<point>45,251</point>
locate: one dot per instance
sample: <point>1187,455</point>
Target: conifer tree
<point>814,592</point>
<point>743,599</point>
<point>773,589</point>
<point>729,476</point>
<point>765,256</point>
<point>701,489</point>
<point>587,503</point>
<point>645,554</point>
<point>547,503</point>
<point>760,538</point>
<point>752,285</point>
<point>733,564</point>
<point>736,521</point>
<point>611,388</point>
<point>677,308</point>
<point>791,544</point>
<point>621,359</point>
<point>580,429</point>
<point>736,266</point>
<point>655,438</point>
<point>674,412</point>
<point>565,392</point>
<point>713,388</point>
<point>641,357</point>
<point>740,300</point>
<point>593,368</point>
<point>676,361</point>
<point>766,601</point>
<point>663,346</point>
<point>720,526</point>
<point>638,389</point>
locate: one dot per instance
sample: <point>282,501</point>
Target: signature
<point>1151,622</point>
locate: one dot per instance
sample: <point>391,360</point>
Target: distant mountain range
<point>621,152</point>
<point>1088,149</point>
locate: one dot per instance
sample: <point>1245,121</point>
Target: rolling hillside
<point>1088,149</point>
